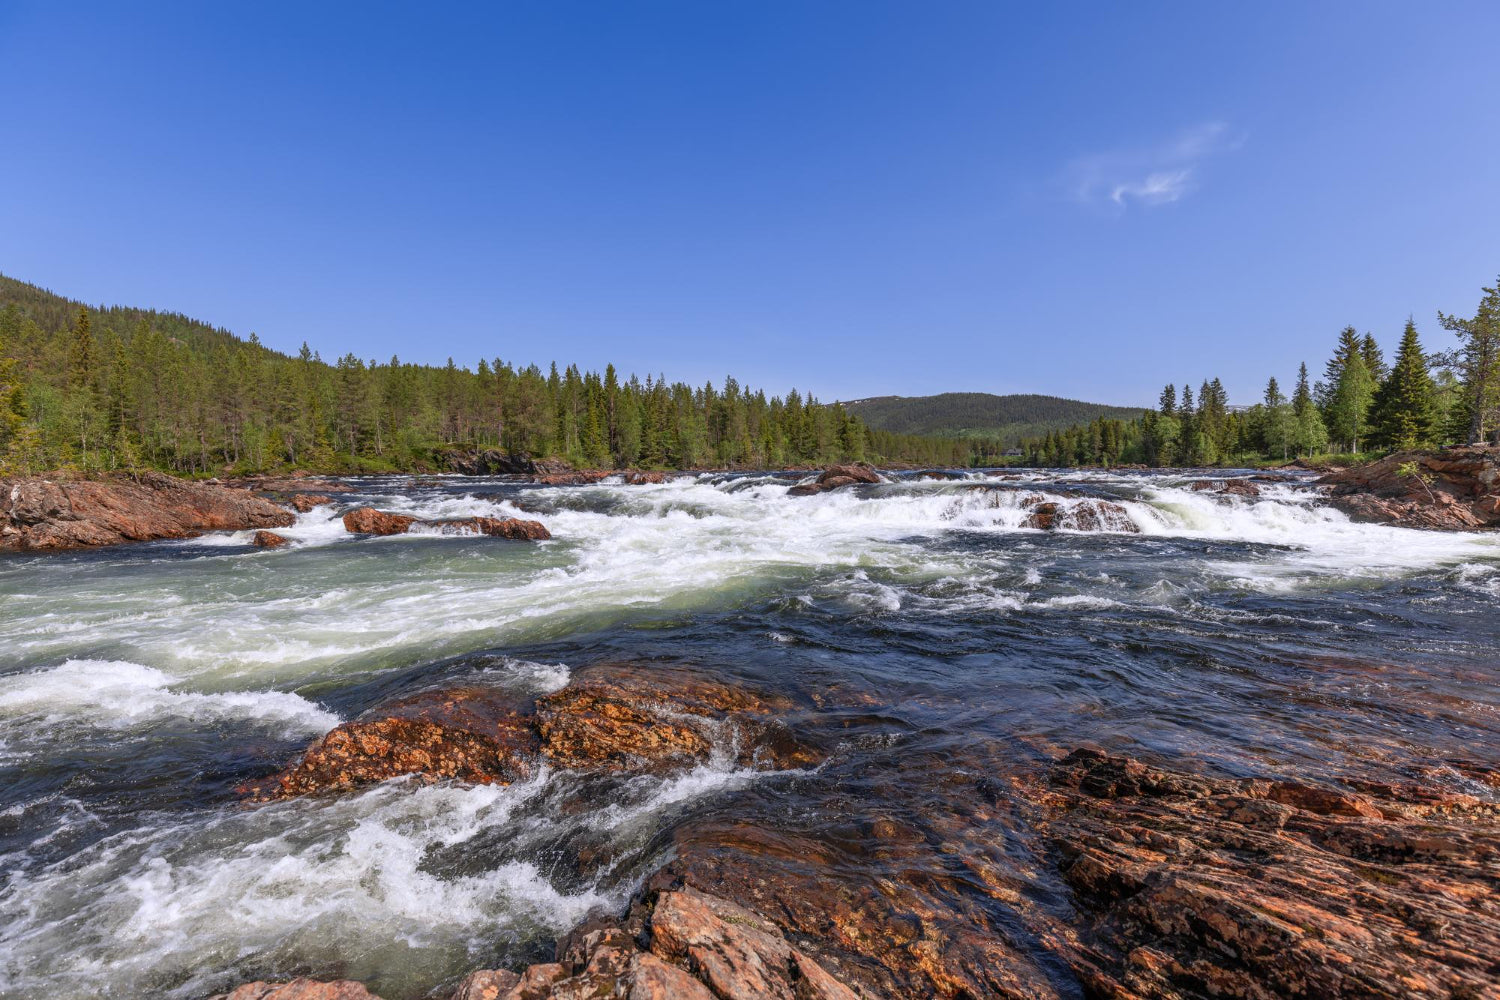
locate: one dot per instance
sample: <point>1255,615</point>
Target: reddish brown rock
<point>43,514</point>
<point>369,521</point>
<point>495,527</point>
<point>304,502</point>
<point>487,984</point>
<point>623,717</point>
<point>644,478</point>
<point>1453,489</point>
<point>269,540</point>
<point>737,952</point>
<point>1214,887</point>
<point>300,989</point>
<point>476,735</point>
<point>836,476</point>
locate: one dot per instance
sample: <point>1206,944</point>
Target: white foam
<point>113,694</point>
<point>310,882</point>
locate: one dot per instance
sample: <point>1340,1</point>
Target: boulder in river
<point>1081,515</point>
<point>1452,489</point>
<point>618,717</point>
<point>836,476</point>
<point>304,502</point>
<point>610,718</point>
<point>269,540</point>
<point>477,735</point>
<point>369,521</point>
<point>45,514</point>
<point>1226,487</point>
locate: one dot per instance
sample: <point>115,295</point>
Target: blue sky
<point>853,198</point>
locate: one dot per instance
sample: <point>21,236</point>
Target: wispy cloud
<point>1152,175</point>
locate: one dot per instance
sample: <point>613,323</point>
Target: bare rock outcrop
<point>269,540</point>
<point>304,502</point>
<point>44,514</point>
<point>1226,487</point>
<point>1196,887</point>
<point>1453,489</point>
<point>679,944</point>
<point>369,521</point>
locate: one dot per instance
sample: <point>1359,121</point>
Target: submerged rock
<point>620,717</point>
<point>44,514</point>
<point>1453,489</point>
<point>836,476</point>
<point>269,540</point>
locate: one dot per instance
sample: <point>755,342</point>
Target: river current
<point>140,685</point>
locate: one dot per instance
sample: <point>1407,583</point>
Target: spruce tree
<point>1349,408</point>
<point>1477,363</point>
<point>1405,415</point>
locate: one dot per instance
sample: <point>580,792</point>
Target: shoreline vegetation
<point>115,388</point>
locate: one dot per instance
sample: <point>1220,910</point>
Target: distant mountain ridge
<point>982,414</point>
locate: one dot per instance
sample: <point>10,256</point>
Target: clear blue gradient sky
<point>853,198</point>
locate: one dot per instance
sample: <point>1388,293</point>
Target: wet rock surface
<point>1197,886</point>
<point>1081,515</point>
<point>836,476</point>
<point>612,718</point>
<point>476,735</point>
<point>269,540</point>
<point>304,502</point>
<point>1453,489</point>
<point>1227,487</point>
<point>44,514</point>
<point>369,521</point>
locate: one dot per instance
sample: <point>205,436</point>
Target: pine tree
<point>1374,358</point>
<point>1311,433</point>
<point>1404,415</point>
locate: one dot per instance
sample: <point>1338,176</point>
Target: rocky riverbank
<point>1453,489</point>
<point>53,514</point>
<point>994,873</point>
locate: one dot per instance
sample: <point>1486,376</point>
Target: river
<point>139,685</point>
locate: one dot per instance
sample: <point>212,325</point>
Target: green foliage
<point>1476,365</point>
<point>116,388</point>
<point>1405,410</point>
<point>1004,419</point>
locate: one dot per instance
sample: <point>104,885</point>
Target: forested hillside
<point>1361,404</point>
<point>108,388</point>
<point>1006,419</point>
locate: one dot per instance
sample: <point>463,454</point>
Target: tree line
<point>1361,403</point>
<point>103,389</point>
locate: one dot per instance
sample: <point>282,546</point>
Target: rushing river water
<point>139,685</point>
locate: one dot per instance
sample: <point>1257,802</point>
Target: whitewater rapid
<point>138,684</point>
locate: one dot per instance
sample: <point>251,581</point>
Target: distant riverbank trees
<point>117,388</point>
<point>1360,404</point>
